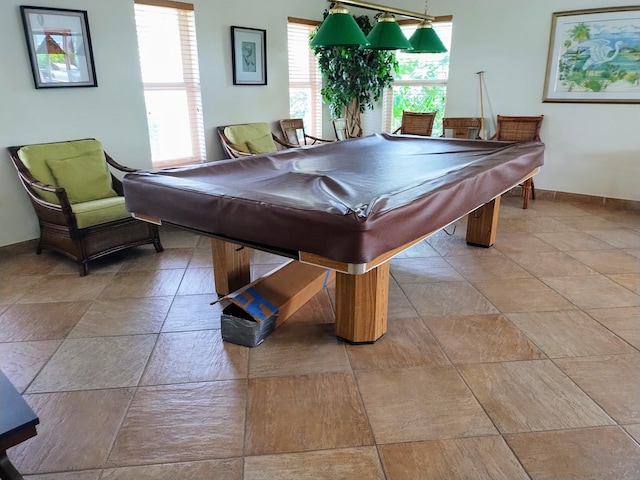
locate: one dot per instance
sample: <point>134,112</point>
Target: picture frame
<point>59,46</point>
<point>594,56</point>
<point>249,56</point>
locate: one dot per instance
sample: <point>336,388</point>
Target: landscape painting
<point>594,56</point>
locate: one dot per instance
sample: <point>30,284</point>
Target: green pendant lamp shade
<point>387,35</point>
<point>425,40</point>
<point>339,29</point>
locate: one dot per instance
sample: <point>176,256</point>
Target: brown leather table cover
<point>348,201</point>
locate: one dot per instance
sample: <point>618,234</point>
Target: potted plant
<point>355,77</point>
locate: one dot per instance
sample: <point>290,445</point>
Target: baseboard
<point>613,203</point>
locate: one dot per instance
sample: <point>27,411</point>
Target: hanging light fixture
<point>339,29</point>
<point>425,40</point>
<point>387,35</point>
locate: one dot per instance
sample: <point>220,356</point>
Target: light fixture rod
<point>382,8</point>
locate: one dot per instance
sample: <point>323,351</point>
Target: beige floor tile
<point>551,264</point>
<point>619,238</point>
<point>193,312</point>
<point>447,298</point>
<point>522,295</point>
<point>198,356</point>
<point>173,237</point>
<point>514,243</point>
<point>21,361</point>
<point>340,464</point>
<point>569,333</point>
<point>92,363</point>
<point>608,261</point>
<point>585,454</point>
<point>612,381</point>
<point>43,321</point>
<point>622,321</point>
<point>318,309</point>
<point>27,264</point>
<point>625,218</point>
<point>420,403</point>
<point>573,241</point>
<point>633,251</point>
<point>145,283</point>
<point>182,423</point>
<point>630,281</point>
<point>12,288</point>
<point>421,270</point>
<point>108,264</point>
<point>482,338</point>
<point>419,250</point>
<point>299,350</point>
<point>634,431</point>
<point>202,258</point>
<point>589,222</point>
<point>126,316</point>
<point>225,469</point>
<point>82,475</point>
<point>311,412</point>
<point>457,245</point>
<point>407,343</point>
<point>460,458</point>
<point>495,267</point>
<point>595,291</point>
<point>557,209</point>
<point>151,260</point>
<point>535,225</point>
<point>75,433</point>
<point>197,281</point>
<point>531,396</point>
<point>67,288</point>
<point>399,305</point>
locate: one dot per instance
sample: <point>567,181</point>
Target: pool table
<point>350,206</point>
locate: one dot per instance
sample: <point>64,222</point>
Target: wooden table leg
<point>361,305</point>
<point>231,266</point>
<point>482,224</point>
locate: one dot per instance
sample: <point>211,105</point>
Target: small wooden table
<point>17,424</point>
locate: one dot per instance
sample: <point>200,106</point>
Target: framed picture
<point>249,56</point>
<point>59,47</point>
<point>594,56</point>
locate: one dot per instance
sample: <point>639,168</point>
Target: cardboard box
<point>259,307</point>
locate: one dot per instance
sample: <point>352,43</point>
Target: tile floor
<point>516,362</point>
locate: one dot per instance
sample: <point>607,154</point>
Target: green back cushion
<point>242,135</point>
<point>78,166</point>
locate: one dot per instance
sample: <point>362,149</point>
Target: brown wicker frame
<point>291,127</point>
<point>416,123</point>
<point>58,228</point>
<point>520,129</point>
<point>232,152</point>
<point>462,127</point>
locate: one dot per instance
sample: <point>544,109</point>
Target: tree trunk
<point>354,119</point>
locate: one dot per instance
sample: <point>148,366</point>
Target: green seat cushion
<point>240,135</point>
<point>37,158</point>
<point>100,211</point>
<point>263,144</point>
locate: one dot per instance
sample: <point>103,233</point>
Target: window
<point>169,64</point>
<point>421,83</point>
<point>305,79</point>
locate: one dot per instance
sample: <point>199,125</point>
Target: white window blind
<point>171,80</point>
<point>305,80</point>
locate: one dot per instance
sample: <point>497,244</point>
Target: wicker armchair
<point>243,140</point>
<point>72,221</point>
<point>520,129</point>
<point>294,133</point>
<point>416,123</point>
<point>461,127</point>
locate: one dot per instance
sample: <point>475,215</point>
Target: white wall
<point>591,148</point>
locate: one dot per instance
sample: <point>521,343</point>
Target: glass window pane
<point>169,125</point>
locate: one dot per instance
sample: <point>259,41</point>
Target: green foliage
<point>419,99</point>
<point>353,73</point>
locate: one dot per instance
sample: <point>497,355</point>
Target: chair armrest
<point>282,143</point>
<point>118,166</point>
<point>318,140</point>
<point>396,131</point>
